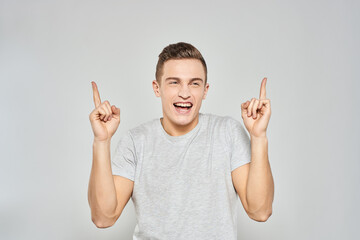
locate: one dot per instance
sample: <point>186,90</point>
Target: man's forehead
<point>183,69</point>
<point>182,61</point>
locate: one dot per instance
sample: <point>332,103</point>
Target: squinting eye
<point>196,84</point>
<point>172,82</point>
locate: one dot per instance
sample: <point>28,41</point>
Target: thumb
<point>115,110</point>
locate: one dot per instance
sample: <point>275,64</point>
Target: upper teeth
<point>183,104</point>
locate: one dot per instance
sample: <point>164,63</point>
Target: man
<point>184,171</point>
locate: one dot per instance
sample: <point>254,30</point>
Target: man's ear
<point>156,88</point>
<point>206,90</point>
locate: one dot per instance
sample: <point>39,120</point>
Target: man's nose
<point>184,91</point>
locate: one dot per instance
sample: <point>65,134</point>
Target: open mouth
<point>183,107</point>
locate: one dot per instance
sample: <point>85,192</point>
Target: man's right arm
<point>107,194</point>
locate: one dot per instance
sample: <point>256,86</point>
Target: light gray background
<point>51,50</point>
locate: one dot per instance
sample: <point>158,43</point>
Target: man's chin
<point>184,120</point>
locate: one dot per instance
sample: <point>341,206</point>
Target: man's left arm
<point>254,181</point>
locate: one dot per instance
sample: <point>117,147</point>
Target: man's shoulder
<point>217,119</point>
<point>143,128</point>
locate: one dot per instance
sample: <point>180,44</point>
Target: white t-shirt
<point>182,184</point>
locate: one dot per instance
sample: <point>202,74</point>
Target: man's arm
<point>107,194</point>
<point>254,182</point>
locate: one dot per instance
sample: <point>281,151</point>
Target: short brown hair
<point>180,50</point>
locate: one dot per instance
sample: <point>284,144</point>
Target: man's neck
<point>178,130</point>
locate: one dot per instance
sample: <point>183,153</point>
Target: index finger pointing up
<point>262,89</point>
<point>96,94</point>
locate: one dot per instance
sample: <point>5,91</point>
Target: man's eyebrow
<point>176,78</point>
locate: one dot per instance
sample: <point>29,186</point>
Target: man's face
<point>182,90</point>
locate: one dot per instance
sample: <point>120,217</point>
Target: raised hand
<point>256,113</point>
<point>104,119</point>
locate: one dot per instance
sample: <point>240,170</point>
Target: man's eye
<point>172,82</point>
<point>196,84</point>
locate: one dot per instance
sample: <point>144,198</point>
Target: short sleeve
<point>240,145</point>
<point>123,163</point>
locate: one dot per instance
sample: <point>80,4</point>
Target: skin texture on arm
<point>107,194</point>
<point>101,192</point>
<point>124,188</point>
<point>254,181</point>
